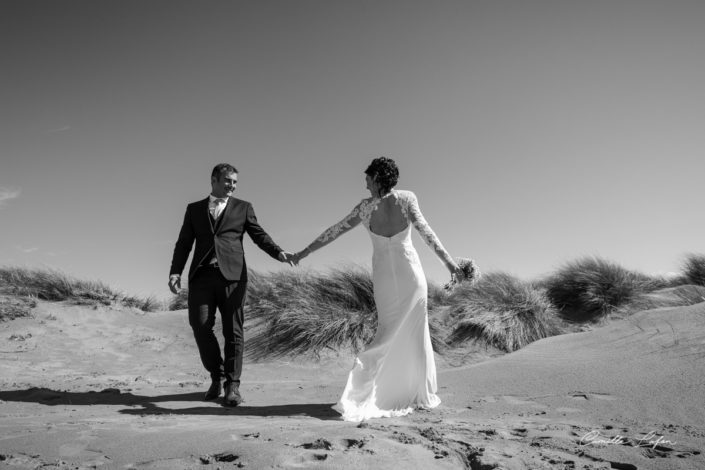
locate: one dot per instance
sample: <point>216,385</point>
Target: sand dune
<point>104,388</point>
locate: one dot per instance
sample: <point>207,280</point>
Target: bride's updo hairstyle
<point>384,172</point>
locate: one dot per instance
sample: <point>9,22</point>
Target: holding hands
<point>293,259</point>
<point>297,257</point>
<point>287,257</point>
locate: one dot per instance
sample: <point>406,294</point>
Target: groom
<point>217,277</point>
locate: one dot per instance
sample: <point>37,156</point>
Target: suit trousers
<point>208,291</point>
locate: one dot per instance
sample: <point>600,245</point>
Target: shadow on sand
<point>148,404</point>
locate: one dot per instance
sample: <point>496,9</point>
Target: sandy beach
<point>100,387</point>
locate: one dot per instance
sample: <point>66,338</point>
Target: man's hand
<point>286,257</point>
<point>296,258</point>
<point>175,283</point>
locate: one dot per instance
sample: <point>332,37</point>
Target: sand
<point>84,387</point>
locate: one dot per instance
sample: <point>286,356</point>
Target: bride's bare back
<point>388,219</point>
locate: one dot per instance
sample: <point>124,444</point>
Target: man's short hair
<point>222,169</point>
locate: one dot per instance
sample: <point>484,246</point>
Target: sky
<point>533,132</point>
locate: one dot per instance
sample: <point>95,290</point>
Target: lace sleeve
<point>413,213</point>
<point>334,231</point>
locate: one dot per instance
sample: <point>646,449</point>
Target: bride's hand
<point>297,257</point>
<point>302,254</point>
<point>457,273</point>
<point>294,258</point>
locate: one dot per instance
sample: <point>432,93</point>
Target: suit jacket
<point>224,237</point>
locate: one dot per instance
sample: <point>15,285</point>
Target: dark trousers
<point>208,291</point>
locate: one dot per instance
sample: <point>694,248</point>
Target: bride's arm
<point>428,235</point>
<point>331,233</point>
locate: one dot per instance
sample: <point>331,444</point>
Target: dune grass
<point>53,285</point>
<point>502,311</point>
<point>305,312</point>
<point>679,296</point>
<point>12,307</point>
<point>588,289</point>
<point>178,301</point>
<point>694,269</point>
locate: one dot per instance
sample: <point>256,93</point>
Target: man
<point>217,277</point>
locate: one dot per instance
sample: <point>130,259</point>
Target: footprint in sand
<point>226,457</point>
<point>161,464</point>
<point>318,444</point>
<point>591,395</point>
<point>356,444</point>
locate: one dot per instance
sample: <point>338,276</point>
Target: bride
<point>397,371</point>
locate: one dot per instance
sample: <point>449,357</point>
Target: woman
<point>397,371</point>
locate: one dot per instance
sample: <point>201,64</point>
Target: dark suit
<point>222,287</point>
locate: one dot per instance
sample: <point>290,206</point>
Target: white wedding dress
<point>397,372</point>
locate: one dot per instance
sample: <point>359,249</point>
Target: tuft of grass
<point>694,269</point>
<point>12,307</point>
<point>178,301</point>
<point>53,285</point>
<point>589,289</point>
<point>679,296</point>
<point>146,304</point>
<point>302,312</point>
<point>502,311</point>
<point>438,296</point>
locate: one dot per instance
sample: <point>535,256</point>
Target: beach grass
<point>306,312</point>
<point>590,288</point>
<point>678,296</point>
<point>178,301</point>
<point>502,311</point>
<point>12,307</point>
<point>694,269</point>
<point>54,285</point>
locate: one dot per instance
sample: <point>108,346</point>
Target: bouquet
<point>471,273</point>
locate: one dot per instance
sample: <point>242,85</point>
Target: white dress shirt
<point>216,205</point>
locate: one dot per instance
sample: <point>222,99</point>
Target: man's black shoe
<point>232,395</point>
<point>214,390</point>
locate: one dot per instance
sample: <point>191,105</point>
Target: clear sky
<point>533,132</point>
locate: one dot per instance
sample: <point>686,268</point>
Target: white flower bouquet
<point>471,273</point>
